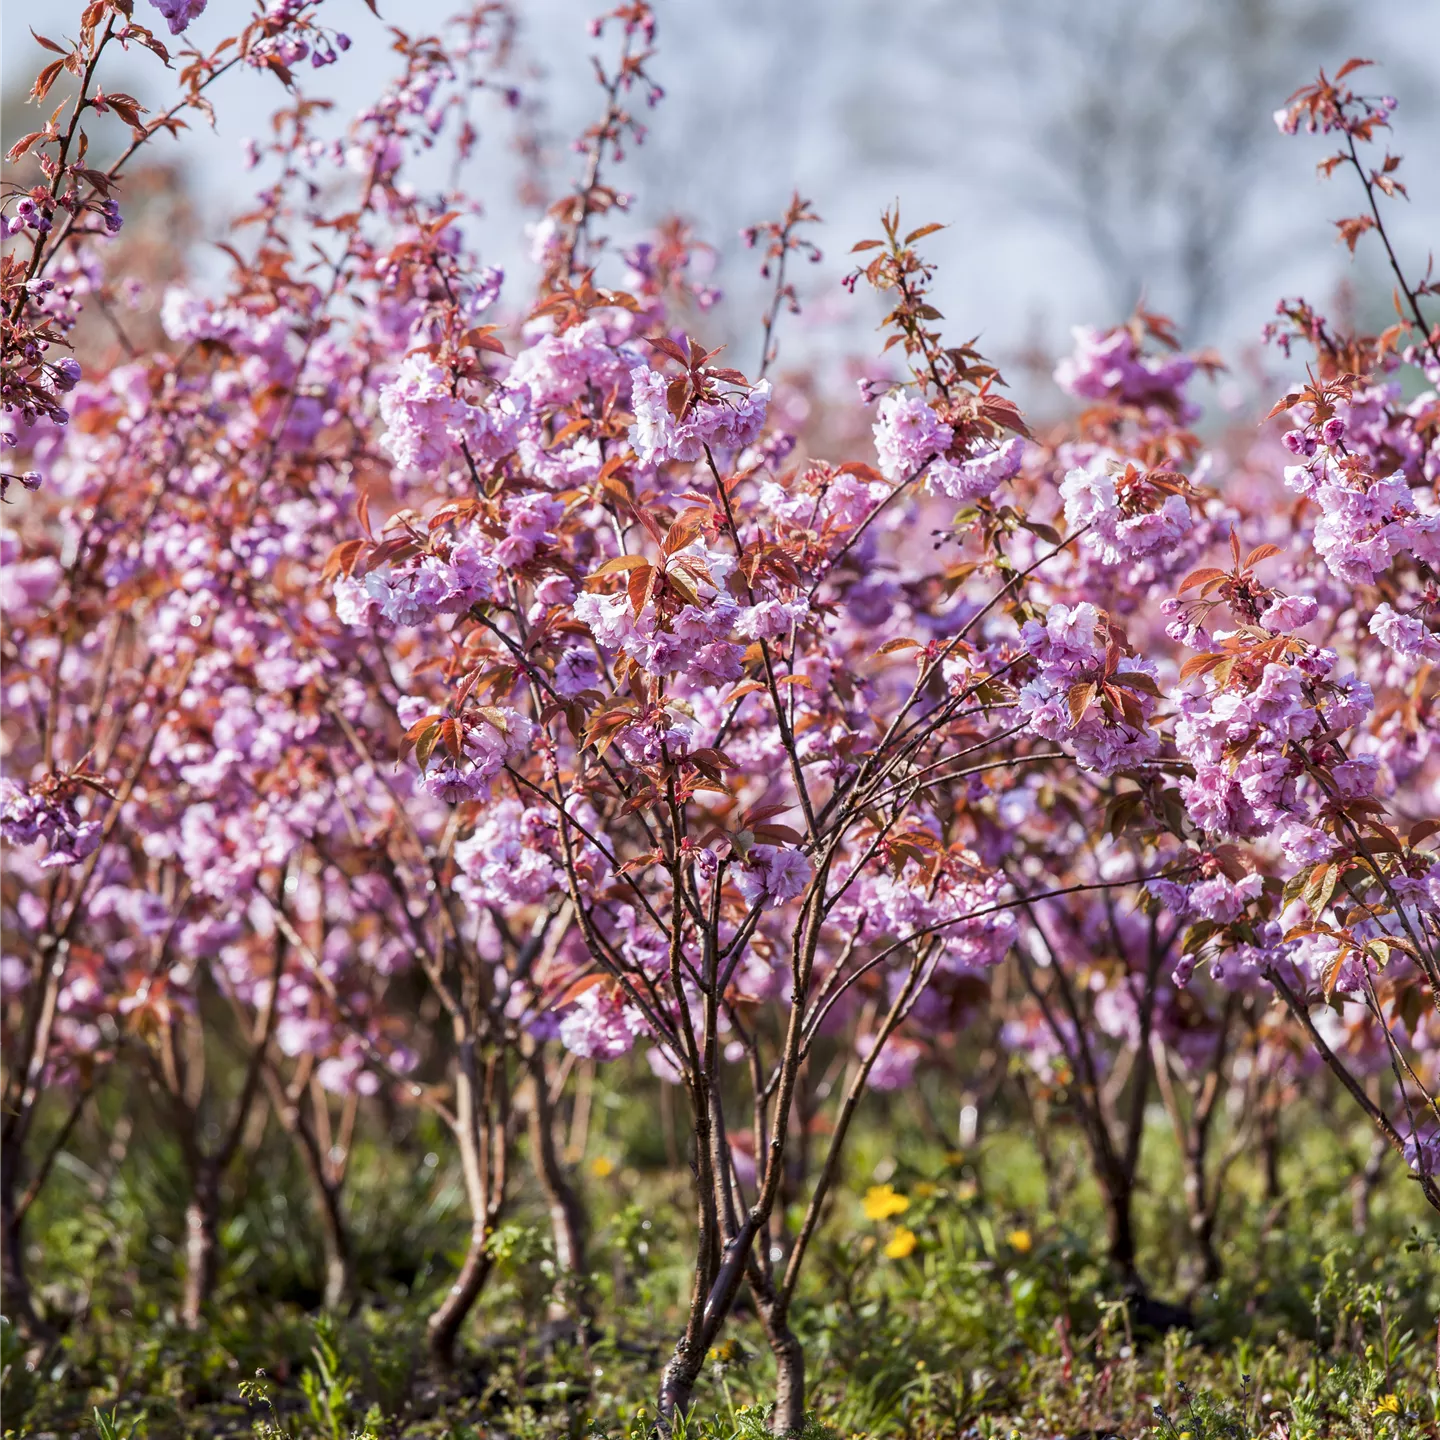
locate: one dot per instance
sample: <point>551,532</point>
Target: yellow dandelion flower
<point>882,1203</point>
<point>601,1166</point>
<point>1019,1240</point>
<point>902,1243</point>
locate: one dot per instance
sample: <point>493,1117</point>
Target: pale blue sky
<point>962,111</point>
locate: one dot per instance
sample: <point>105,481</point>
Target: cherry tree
<point>390,632</point>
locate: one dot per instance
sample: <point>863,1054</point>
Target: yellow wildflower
<point>1019,1240</point>
<point>1389,1405</point>
<point>902,1243</point>
<point>601,1166</point>
<point>882,1203</point>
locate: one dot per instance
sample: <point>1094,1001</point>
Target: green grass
<point>1002,1320</point>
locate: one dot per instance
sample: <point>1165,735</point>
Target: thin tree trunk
<point>202,1226</point>
<point>567,1218</point>
<point>445,1323</point>
<point>1114,1163</point>
<point>1270,1150</point>
<point>677,1384</point>
<point>336,1243</point>
<point>26,1064</point>
<point>718,1274</point>
<point>326,1190</point>
<point>1205,1221</point>
<point>184,1081</point>
<point>797,1169</point>
<point>1204,1208</point>
<point>484,1172</point>
<point>1202,1226</point>
<point>1192,1136</point>
<point>1120,1233</point>
<point>19,1306</point>
<point>789,1413</point>
<point>788,1416</point>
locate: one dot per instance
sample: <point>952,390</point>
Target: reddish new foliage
<point>384,627</point>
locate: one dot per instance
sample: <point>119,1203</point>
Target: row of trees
<point>413,689</point>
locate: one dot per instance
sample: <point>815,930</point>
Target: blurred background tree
<point>1082,155</point>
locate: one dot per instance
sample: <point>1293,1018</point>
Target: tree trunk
<point>716,1280</point>
<point>26,1067</point>
<point>1203,1228</point>
<point>567,1218</point>
<point>202,1242</point>
<point>445,1323</point>
<point>1203,1206</point>
<point>789,1413</point>
<point>19,1307</point>
<point>484,1171</point>
<point>1120,1230</point>
<point>336,1243</point>
<point>334,1235</point>
<point>788,1416</point>
<point>1270,1150</point>
<point>677,1385</point>
<point>325,1187</point>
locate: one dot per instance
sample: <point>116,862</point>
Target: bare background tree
<point>1146,144</point>
<point>1124,143</point>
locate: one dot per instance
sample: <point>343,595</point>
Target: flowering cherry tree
<point>388,630</point>
<point>92,693</point>
<point>1318,751</point>
<point>653,667</point>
